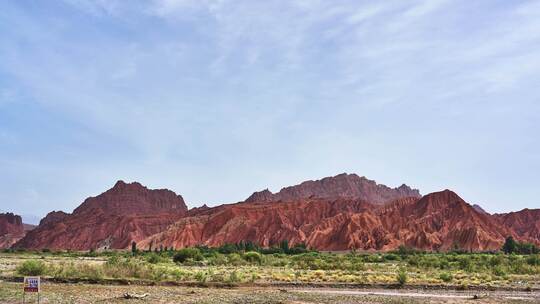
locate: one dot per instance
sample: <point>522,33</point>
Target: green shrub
<point>429,261</point>
<point>520,266</point>
<point>465,263</point>
<point>201,276</point>
<point>234,277</point>
<point>31,268</point>
<point>446,277</point>
<point>444,264</point>
<point>496,260</point>
<point>391,257</point>
<point>235,259</point>
<point>401,277</point>
<point>405,250</point>
<point>253,257</point>
<point>373,258</point>
<point>153,258</point>
<point>90,271</point>
<point>499,271</point>
<point>413,260</point>
<point>92,253</point>
<point>217,259</point>
<point>187,253</point>
<point>533,260</point>
<point>298,249</point>
<point>127,268</point>
<point>227,248</point>
<point>114,260</point>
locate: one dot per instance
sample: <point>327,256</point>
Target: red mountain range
<point>113,219</point>
<point>335,213</point>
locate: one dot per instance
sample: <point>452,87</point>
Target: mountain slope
<point>335,213</point>
<point>524,223</point>
<point>438,221</point>
<point>441,221</point>
<point>267,224</point>
<point>113,219</point>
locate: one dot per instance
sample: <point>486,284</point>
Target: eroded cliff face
<point>267,224</point>
<point>11,229</point>
<point>113,219</point>
<point>336,213</point>
<point>438,221</point>
<point>524,223</point>
<point>442,221</point>
<point>347,186</point>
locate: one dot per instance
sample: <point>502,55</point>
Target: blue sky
<point>217,99</point>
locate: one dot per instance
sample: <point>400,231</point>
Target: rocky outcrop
<point>11,229</point>
<point>113,219</point>
<point>266,224</point>
<point>442,221</point>
<point>438,221</point>
<point>53,217</point>
<point>347,186</point>
<point>525,224</point>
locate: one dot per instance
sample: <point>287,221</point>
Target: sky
<point>217,99</point>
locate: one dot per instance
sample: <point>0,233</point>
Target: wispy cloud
<point>218,98</point>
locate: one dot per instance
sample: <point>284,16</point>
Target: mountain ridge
<point>342,212</point>
<point>349,186</point>
<point>112,220</point>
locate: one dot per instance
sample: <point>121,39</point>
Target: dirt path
<point>443,294</point>
<point>10,293</point>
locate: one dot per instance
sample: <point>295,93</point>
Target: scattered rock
<point>128,295</point>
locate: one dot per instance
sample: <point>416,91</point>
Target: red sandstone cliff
<point>335,213</point>
<point>348,186</point>
<point>113,219</point>
<point>438,221</point>
<point>524,223</point>
<point>267,224</point>
<point>441,221</point>
<point>11,229</point>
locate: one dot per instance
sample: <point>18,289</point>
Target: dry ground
<point>84,293</point>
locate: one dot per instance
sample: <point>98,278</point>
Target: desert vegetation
<point>246,263</point>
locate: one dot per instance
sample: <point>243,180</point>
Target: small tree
<point>284,245</point>
<point>401,277</point>
<point>510,246</point>
<point>133,248</point>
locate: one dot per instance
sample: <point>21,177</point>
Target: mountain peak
<point>441,200</point>
<point>343,185</point>
<point>120,184</point>
<point>112,219</point>
<point>128,198</point>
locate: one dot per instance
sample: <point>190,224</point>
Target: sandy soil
<point>85,293</point>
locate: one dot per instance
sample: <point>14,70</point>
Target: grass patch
<point>31,268</point>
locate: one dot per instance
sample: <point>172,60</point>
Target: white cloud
<point>199,91</point>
